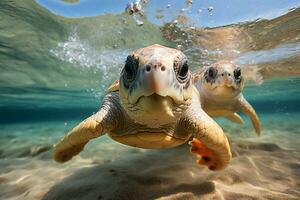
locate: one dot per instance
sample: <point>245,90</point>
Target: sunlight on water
<point>271,55</point>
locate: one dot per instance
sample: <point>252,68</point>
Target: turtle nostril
<point>148,68</point>
<point>163,68</point>
<point>229,74</point>
<point>222,74</point>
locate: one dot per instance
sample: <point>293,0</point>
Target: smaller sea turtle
<point>153,105</point>
<point>220,88</point>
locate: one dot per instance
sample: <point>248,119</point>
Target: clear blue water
<point>54,71</point>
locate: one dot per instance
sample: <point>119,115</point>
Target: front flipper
<point>94,126</point>
<point>74,142</point>
<point>207,156</point>
<point>212,145</point>
<point>234,117</point>
<point>244,106</point>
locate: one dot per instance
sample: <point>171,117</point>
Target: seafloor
<point>265,167</point>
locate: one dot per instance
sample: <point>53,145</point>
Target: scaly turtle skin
<point>153,105</point>
<point>220,86</point>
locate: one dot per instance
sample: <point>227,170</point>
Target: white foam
<point>81,54</point>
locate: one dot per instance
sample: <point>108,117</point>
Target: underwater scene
<point>58,59</point>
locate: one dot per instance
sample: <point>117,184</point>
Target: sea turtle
<point>220,86</point>
<point>153,105</point>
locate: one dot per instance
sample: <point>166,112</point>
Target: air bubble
<point>136,9</point>
<point>132,8</point>
<point>210,8</point>
<point>179,46</point>
<point>139,22</point>
<point>189,2</point>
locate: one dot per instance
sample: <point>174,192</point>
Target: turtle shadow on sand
<point>170,173</point>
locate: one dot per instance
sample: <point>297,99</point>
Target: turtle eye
<point>211,72</point>
<point>183,71</point>
<point>237,73</point>
<point>130,67</point>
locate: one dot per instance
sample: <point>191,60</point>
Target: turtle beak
<point>225,79</point>
<point>155,78</point>
<point>152,79</point>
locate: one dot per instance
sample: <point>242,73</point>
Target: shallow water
<point>54,71</point>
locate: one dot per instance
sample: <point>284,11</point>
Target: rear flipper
<point>234,117</point>
<point>244,106</point>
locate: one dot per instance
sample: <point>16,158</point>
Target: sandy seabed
<point>267,167</point>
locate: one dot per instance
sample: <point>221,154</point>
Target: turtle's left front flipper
<point>244,106</point>
<point>210,142</point>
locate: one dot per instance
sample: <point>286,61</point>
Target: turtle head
<point>155,85</point>
<point>222,80</point>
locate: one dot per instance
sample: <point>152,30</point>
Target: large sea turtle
<point>220,86</point>
<point>154,104</point>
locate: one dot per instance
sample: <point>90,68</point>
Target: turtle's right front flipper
<point>92,127</point>
<point>74,142</point>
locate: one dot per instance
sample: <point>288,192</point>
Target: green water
<point>54,72</point>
